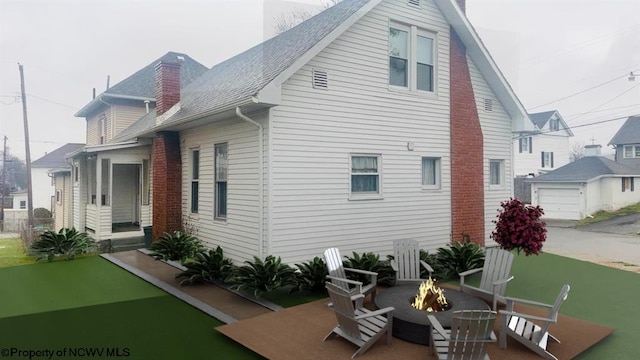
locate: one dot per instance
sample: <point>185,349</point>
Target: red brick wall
<point>467,174</point>
<point>167,183</point>
<point>167,86</point>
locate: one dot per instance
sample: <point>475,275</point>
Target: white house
<point>374,120</point>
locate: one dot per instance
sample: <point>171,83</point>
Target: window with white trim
<point>221,167</point>
<point>102,129</point>
<point>195,179</point>
<point>430,173</point>
<point>365,174</point>
<point>411,58</point>
<point>496,172</point>
<point>546,160</point>
<point>59,197</point>
<point>526,145</point>
<point>23,204</point>
<point>554,125</point>
<point>627,184</point>
<point>631,151</point>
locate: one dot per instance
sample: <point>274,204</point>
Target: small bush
<point>370,262</point>
<point>262,276</point>
<point>457,258</point>
<point>206,267</point>
<point>176,246</point>
<point>66,242</point>
<point>311,275</point>
<point>519,227</point>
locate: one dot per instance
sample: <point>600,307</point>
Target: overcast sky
<point>547,49</point>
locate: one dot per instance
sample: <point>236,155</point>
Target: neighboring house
<point>627,143</point>
<point>19,199</point>
<point>110,180</point>
<point>543,150</point>
<point>372,121</point>
<point>585,186</point>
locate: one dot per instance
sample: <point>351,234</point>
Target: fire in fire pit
<point>430,298</point>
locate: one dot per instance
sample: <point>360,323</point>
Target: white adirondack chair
<point>495,276</point>
<point>470,335</point>
<point>338,275</point>
<point>406,261</point>
<point>532,331</point>
<point>359,325</point>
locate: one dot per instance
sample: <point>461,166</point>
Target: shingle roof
<point>629,132</point>
<point>587,168</point>
<point>142,83</point>
<point>243,75</point>
<point>541,119</point>
<point>56,158</point>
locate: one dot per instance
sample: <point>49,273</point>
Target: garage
<point>560,203</point>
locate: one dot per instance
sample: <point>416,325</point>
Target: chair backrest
<point>335,267</point>
<point>471,332</point>
<point>497,266</point>
<point>406,254</point>
<point>344,309</point>
<point>553,312</point>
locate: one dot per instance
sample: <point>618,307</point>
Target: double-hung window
<point>554,125</point>
<point>365,175</point>
<point>526,145</point>
<point>411,58</point>
<point>496,172</point>
<point>430,173</point>
<point>631,151</point>
<point>221,167</point>
<point>546,159</point>
<point>195,179</point>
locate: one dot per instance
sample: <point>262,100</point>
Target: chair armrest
<point>374,275</point>
<point>512,300</point>
<point>435,324</point>
<point>369,314</point>
<point>394,265</point>
<point>469,272</point>
<point>502,281</point>
<point>528,316</point>
<point>426,266</point>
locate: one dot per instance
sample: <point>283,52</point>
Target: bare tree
<point>286,21</point>
<point>577,151</point>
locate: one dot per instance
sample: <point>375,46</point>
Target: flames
<point>430,297</point>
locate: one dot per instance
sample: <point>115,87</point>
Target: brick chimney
<point>167,85</point>
<point>167,183</point>
<point>467,149</point>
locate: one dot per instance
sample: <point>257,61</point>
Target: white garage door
<point>560,203</point>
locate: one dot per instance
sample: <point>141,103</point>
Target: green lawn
<point>12,253</point>
<point>90,302</point>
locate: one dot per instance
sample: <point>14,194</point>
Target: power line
<point>578,126</point>
<point>608,101</point>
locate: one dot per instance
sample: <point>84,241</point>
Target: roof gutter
<point>83,112</point>
<point>263,246</point>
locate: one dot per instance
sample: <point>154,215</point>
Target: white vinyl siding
<point>93,126</point>
<point>125,115</point>
<point>314,132</point>
<point>239,234</point>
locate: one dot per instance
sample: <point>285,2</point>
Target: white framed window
<point>59,197</point>
<point>411,58</point>
<point>221,167</point>
<point>195,179</point>
<point>526,145</point>
<point>102,129</point>
<point>23,204</point>
<point>365,176</point>
<point>631,151</point>
<point>496,172</point>
<point>430,173</point>
<point>546,159</point>
<point>76,173</point>
<point>554,125</point>
<point>627,184</point>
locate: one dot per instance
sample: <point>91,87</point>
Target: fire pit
<point>411,324</point>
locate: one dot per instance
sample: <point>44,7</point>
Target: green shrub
<point>66,242</point>
<point>370,262</point>
<point>206,267</point>
<point>176,246</point>
<point>439,271</point>
<point>457,258</point>
<point>262,276</point>
<point>311,275</point>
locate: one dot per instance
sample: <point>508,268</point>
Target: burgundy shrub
<point>519,227</point>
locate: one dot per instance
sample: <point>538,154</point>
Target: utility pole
<point>4,183</point>
<point>26,150</point>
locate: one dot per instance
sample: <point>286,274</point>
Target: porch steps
<point>132,243</point>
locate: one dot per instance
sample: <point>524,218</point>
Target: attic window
<point>414,2</point>
<point>320,79</point>
<point>488,105</point>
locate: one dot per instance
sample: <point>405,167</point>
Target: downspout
<point>260,179</point>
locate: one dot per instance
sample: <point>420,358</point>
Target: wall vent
<point>320,79</point>
<point>488,105</point>
<point>414,2</point>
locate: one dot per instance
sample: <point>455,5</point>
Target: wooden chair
<point>406,261</point>
<point>338,275</point>
<point>470,335</point>
<point>495,276</point>
<point>360,326</point>
<point>532,331</point>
